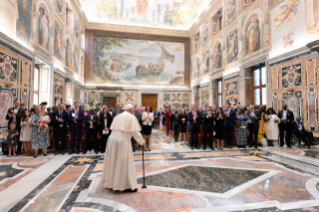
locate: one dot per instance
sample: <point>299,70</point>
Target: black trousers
<point>253,135</point>
<point>304,134</point>
<point>282,128</point>
<point>194,132</point>
<point>18,140</point>
<point>156,123</point>
<point>77,132</point>
<point>104,139</point>
<point>208,132</point>
<point>88,135</point>
<point>60,135</point>
<point>176,132</point>
<point>229,135</point>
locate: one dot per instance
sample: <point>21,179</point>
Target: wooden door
<point>109,101</point>
<point>149,99</point>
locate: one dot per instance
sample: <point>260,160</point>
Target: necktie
<point>76,111</point>
<point>194,119</point>
<point>60,113</point>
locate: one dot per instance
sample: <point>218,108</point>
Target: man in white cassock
<point>119,169</point>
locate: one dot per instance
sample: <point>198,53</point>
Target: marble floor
<point>178,180</point>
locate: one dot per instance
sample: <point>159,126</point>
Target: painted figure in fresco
<point>231,89</point>
<point>76,61</point>
<point>252,36</point>
<point>58,43</point>
<point>197,68</point>
<point>232,50</point>
<point>68,54</point>
<point>76,28</point>
<point>288,10</point>
<point>231,9</point>
<point>288,40</point>
<point>59,5</point>
<point>43,30</point>
<point>313,30</point>
<point>82,66</point>
<point>206,62</point>
<point>218,56</point>
<point>142,6</point>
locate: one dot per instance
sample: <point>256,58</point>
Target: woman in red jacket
<point>167,116</point>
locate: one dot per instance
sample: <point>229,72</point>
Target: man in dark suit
<point>118,110</point>
<point>60,119</point>
<point>195,118</point>
<point>91,122</point>
<point>156,118</point>
<point>229,125</point>
<point>15,114</point>
<point>174,121</point>
<point>286,118</point>
<point>76,117</point>
<point>253,126</point>
<point>300,131</point>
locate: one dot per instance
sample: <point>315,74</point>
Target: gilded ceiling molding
<point>137,29</point>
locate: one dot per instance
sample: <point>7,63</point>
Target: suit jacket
<point>79,122</point>
<point>55,119</point>
<point>156,115</point>
<point>117,111</point>
<point>138,115</point>
<point>208,122</point>
<point>19,116</point>
<point>289,116</point>
<point>256,120</point>
<point>174,119</point>
<point>190,118</point>
<point>87,122</point>
<point>295,126</point>
<point>230,121</point>
<point>109,119</point>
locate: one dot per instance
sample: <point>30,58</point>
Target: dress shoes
<point>77,152</point>
<point>62,152</point>
<point>56,153</point>
<point>70,153</point>
<point>192,148</point>
<point>130,190</point>
<point>84,152</point>
<point>289,146</point>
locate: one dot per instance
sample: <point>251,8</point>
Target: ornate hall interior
<point>174,56</point>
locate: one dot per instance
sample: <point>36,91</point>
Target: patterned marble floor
<point>178,180</point>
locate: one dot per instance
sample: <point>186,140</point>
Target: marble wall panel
<point>77,93</point>
<point>9,69</point>
<point>291,76</point>
<point>129,97</point>
<point>177,99</point>
<point>25,96</point>
<point>275,102</point>
<point>312,108</point>
<point>294,102</point>
<point>275,79</point>
<point>311,72</point>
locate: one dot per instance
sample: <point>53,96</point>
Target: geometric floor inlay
<point>201,178</point>
<point>7,171</point>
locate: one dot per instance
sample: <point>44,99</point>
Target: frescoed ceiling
<point>169,14</point>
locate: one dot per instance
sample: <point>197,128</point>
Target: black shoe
<point>192,148</point>
<point>77,152</point>
<point>70,153</point>
<point>212,148</point>
<point>130,190</point>
<point>45,154</point>
<point>256,147</point>
<point>84,152</point>
<point>102,152</point>
<point>289,147</point>
<point>197,147</point>
<point>35,156</point>
<point>250,146</point>
<point>204,148</point>
<point>96,152</point>
<point>281,145</point>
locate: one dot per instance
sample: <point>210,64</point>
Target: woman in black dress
<point>208,128</point>
<point>182,117</point>
<point>105,124</point>
<point>220,128</point>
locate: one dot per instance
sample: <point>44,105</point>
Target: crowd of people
<point>228,126</point>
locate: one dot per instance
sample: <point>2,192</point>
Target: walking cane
<point>143,186</point>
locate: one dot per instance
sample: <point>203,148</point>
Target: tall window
<point>259,86</point>
<point>220,93</point>
<point>36,85</point>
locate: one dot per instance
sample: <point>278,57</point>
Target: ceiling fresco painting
<point>173,14</point>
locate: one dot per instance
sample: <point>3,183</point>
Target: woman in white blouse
<point>147,118</point>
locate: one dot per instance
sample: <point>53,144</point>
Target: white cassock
<point>119,169</point>
<point>271,128</point>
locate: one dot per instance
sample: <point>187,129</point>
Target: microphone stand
<point>143,186</point>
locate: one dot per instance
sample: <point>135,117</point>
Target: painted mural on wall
<point>231,89</point>
<point>59,6</point>
<point>206,62</point>
<point>232,46</point>
<point>288,26</point>
<point>76,60</point>
<point>169,13</point>
<point>58,41</point>
<point>230,11</point>
<point>217,55</point>
<point>68,53</point>
<point>117,60</point>
<point>205,33</point>
<point>204,96</point>
<point>24,22</point>
<point>197,67</point>
<point>9,68</point>
<point>58,86</point>
<point>252,35</point>
<point>291,76</point>
<point>43,29</point>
